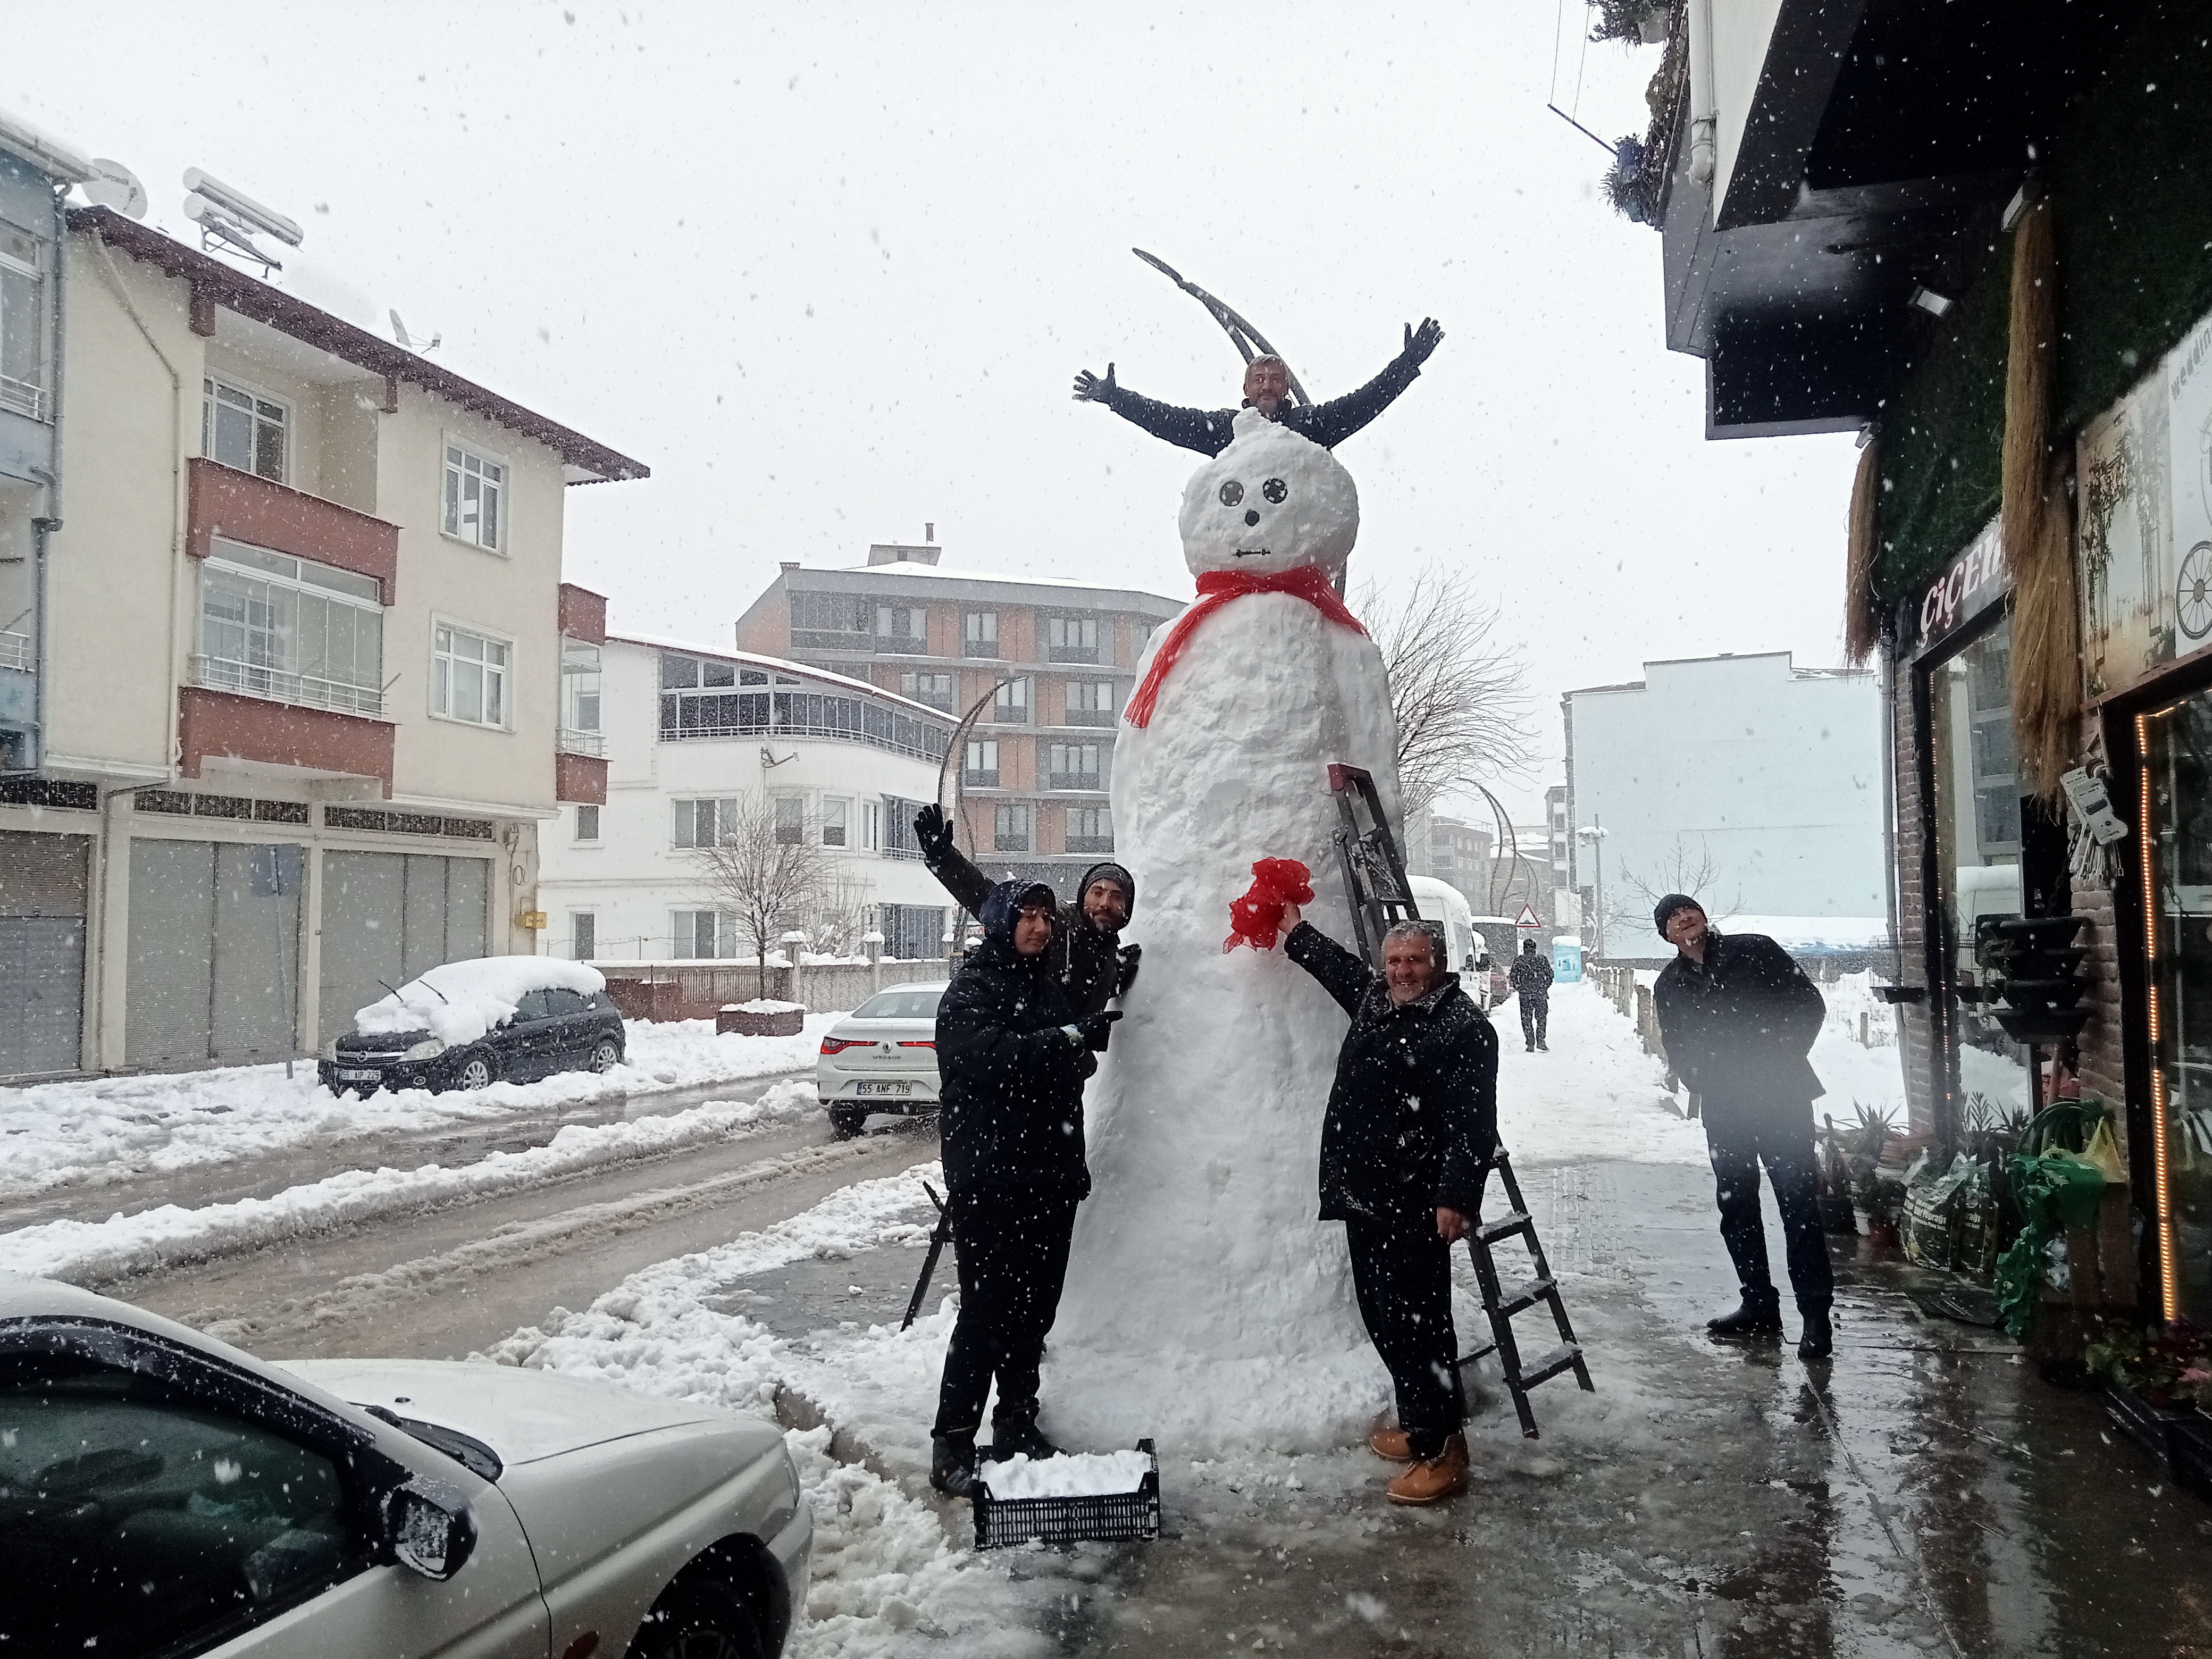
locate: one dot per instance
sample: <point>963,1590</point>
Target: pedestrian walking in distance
<point>1012,1054</point>
<point>1738,1018</point>
<point>1411,1123</point>
<point>1530,977</point>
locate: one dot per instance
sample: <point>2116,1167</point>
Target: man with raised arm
<point>1267,389</point>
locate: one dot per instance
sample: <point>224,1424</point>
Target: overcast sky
<point>829,271</point>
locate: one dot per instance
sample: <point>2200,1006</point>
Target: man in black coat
<point>1012,1056</point>
<point>1738,1018</point>
<point>1411,1123</point>
<point>1268,388</point>
<point>1087,956</point>
<point>1530,977</point>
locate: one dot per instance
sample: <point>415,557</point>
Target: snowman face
<point>1271,501</point>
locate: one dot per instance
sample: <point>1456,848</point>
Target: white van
<point>1441,901</point>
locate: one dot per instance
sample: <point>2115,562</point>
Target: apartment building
<point>1458,856</point>
<point>298,662</point>
<point>696,740</point>
<point>1053,661</point>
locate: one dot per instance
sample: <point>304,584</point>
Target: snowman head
<point>1271,501</point>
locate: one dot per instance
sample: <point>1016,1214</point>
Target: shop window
<point>2177,754</point>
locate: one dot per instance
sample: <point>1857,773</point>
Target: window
<point>291,629</point>
<point>579,699</point>
<point>912,933</point>
<point>1013,830</point>
<point>705,823</point>
<point>1072,639</point>
<point>1011,705</point>
<point>790,820</point>
<point>23,324</point>
<point>872,820</point>
<point>981,767</point>
<point>899,841</point>
<point>834,622</point>
<point>935,689</point>
<point>701,698</point>
<point>583,935</point>
<point>587,824</point>
<point>468,680</point>
<point>1072,765</point>
<point>1090,829</point>
<point>835,814</point>
<point>979,634</point>
<point>903,627</point>
<point>1090,702</point>
<point>475,498</point>
<point>708,934</point>
<point>242,429</point>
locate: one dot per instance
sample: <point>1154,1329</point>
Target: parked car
<point>882,1057</point>
<point>161,1493</point>
<point>467,1024</point>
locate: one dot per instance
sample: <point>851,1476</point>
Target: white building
<point>691,732</point>
<point>1753,783</point>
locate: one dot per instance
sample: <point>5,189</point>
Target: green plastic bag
<point>2057,1188</point>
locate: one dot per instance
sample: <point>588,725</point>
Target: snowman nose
<point>1252,515</point>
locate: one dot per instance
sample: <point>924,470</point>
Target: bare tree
<point>771,876</point>
<point>1683,871</point>
<point>1461,697</point>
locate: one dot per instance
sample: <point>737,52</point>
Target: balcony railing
<point>1011,843</point>
<point>901,645</point>
<point>16,651</point>
<point>1090,717</point>
<point>24,396</point>
<point>979,648</point>
<point>977,778</point>
<point>1091,781</point>
<point>255,680</point>
<point>1071,654</point>
<point>1096,845</point>
<point>574,742</point>
<point>1010,713</point>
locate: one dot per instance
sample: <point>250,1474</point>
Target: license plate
<point>882,1088</point>
<point>360,1076</point>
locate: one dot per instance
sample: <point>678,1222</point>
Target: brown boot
<point>1435,1480</point>
<point>1391,1445</point>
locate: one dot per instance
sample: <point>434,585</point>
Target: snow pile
<point>108,1129</point>
<point>459,1001</point>
<point>1595,1095</point>
<point>764,1006</point>
<point>98,1253</point>
<point>1815,936</point>
<point>1071,1474</point>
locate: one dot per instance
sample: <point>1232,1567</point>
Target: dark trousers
<point>1012,1252</point>
<point>1534,1011</point>
<point>1738,1148</point>
<point>1402,1272</point>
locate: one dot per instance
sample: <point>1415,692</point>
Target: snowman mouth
<point>1254,552</point>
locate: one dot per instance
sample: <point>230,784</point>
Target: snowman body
<point>1206,1303</point>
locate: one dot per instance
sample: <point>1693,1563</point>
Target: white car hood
<point>523,1415</point>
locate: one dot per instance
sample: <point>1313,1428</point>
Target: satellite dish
<point>114,185</point>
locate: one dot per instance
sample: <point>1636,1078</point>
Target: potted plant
<point>2157,1383</point>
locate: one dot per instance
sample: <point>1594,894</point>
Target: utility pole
<point>1592,834</point>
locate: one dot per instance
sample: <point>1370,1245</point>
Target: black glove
<point>932,831</point>
<point>1097,1029</point>
<point>1130,956</point>
<point>1090,389</point>
<point>1420,342</point>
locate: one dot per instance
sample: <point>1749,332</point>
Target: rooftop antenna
<point>229,219</point>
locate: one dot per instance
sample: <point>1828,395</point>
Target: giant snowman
<point>1205,1303</point>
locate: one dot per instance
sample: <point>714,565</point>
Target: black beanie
<point>1109,871</point>
<point>1667,906</point>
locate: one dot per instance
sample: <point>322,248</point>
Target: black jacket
<point>1530,975</point>
<point>1208,431</point>
<point>1739,1025</point>
<point>1010,1081</point>
<point>1086,962</point>
<point>1412,1115</point>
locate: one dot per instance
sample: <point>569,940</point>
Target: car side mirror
<point>428,1527</point>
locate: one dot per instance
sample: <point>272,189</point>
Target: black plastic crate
<point>1103,1516</point>
<point>2152,1427</point>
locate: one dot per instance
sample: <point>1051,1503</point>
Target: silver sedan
<point>882,1057</point>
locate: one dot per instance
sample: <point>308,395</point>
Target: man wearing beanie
<point>1738,1017</point>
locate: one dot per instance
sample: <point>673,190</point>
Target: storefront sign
<point>1976,580</point>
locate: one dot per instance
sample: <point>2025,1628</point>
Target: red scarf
<point>1215,589</point>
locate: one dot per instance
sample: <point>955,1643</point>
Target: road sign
<point>1527,918</point>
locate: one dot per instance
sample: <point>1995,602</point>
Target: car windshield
<point>907,1002</point>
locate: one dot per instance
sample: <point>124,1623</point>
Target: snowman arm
<point>1342,974</point>
<point>1206,431</point>
<point>1330,423</point>
<point>1468,1090</point>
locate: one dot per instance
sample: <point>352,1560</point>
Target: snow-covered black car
<point>468,1024</point>
<point>163,1493</point>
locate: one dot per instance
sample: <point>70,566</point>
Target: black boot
<point>952,1465</point>
<point>1818,1340</point>
<point>1020,1437</point>
<point>1757,1315</point>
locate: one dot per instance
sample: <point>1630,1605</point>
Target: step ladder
<point>1502,1304</point>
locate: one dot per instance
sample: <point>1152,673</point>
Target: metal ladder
<point>1502,1305</point>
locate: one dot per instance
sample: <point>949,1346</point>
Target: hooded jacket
<point>1086,962</point>
<point>1011,1080</point>
<point>1412,1115</point>
<point>1738,1026</point>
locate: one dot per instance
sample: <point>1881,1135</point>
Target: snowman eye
<point>1274,490</point>
<point>1231,493</point>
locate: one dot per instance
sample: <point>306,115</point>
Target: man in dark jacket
<point>1738,1018</point>
<point>1013,1056</point>
<point>1266,388</point>
<point>1087,956</point>
<point>1411,1124</point>
<point>1530,977</point>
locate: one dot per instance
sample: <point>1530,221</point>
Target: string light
<point>2161,1211</point>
